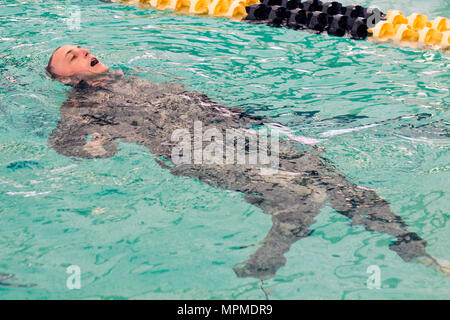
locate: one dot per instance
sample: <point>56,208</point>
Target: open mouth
<point>94,61</point>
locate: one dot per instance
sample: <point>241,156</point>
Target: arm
<point>70,137</point>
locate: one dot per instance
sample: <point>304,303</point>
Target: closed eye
<point>73,58</point>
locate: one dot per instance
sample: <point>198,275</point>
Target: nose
<point>84,52</point>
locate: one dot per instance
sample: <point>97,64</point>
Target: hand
<point>95,146</point>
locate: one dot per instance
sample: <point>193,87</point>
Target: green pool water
<point>136,231</point>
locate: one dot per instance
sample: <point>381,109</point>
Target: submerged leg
<point>292,197</point>
<point>364,207</point>
<point>287,228</point>
<point>293,206</point>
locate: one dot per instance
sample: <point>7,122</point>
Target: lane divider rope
<point>316,16</point>
<point>414,31</point>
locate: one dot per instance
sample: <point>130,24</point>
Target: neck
<point>92,80</point>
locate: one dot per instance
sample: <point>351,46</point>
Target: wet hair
<point>48,69</point>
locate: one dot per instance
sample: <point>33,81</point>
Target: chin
<point>99,68</point>
<point>106,69</point>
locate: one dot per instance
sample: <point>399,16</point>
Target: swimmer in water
<point>104,107</point>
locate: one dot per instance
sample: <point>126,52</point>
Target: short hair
<point>48,69</point>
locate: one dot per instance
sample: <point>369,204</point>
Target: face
<point>75,61</point>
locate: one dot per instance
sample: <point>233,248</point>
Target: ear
<point>68,81</point>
